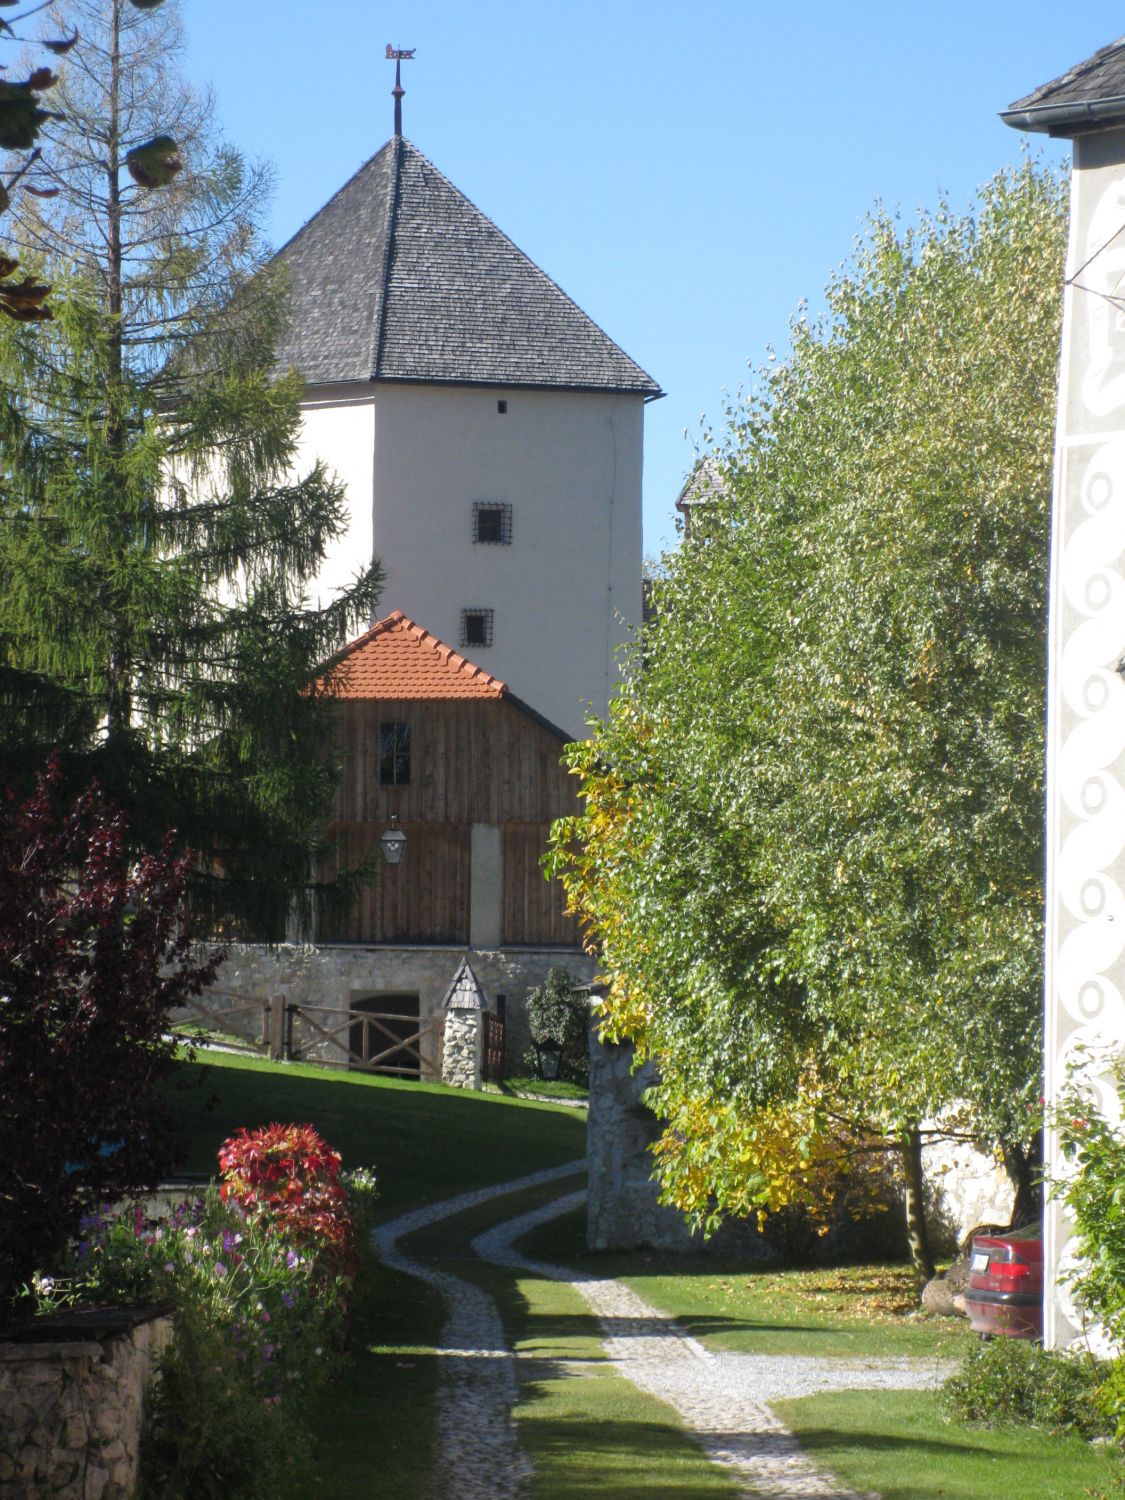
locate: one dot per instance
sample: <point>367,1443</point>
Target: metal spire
<point>400,55</point>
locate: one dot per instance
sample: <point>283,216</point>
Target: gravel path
<point>721,1398</point>
<point>478,1455</point>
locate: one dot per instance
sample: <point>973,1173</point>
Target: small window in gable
<point>476,627</point>
<point>394,753</point>
<point>492,521</point>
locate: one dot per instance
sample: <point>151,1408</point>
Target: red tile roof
<point>398,659</point>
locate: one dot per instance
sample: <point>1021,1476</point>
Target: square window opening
<point>394,753</point>
<point>492,522</point>
<point>502,408</point>
<point>476,627</point>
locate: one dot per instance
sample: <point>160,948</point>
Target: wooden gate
<point>373,1041</point>
<point>492,1048</point>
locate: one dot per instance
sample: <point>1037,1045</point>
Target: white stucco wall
<point>1085,896</point>
<point>338,426</point>
<point>565,592</point>
<point>569,464</point>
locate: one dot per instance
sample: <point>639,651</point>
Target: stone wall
<point>621,1208</point>
<point>72,1409</point>
<point>966,1186</point>
<point>337,975</point>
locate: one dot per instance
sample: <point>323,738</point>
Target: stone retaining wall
<point>72,1410</point>
<point>337,975</point>
<point>965,1186</point>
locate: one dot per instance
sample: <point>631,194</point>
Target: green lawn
<point>851,1311</point>
<point>901,1444</point>
<point>424,1141</point>
<point>588,1432</point>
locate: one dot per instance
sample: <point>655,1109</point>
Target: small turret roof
<point>399,277</point>
<point>464,992</point>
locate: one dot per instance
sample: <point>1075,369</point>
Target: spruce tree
<point>155,550</point>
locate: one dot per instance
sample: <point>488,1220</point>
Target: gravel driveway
<point>721,1398</point>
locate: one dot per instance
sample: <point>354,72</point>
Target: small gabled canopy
<point>1089,96</point>
<point>399,277</point>
<point>464,993</point>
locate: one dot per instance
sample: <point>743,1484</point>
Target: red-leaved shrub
<point>95,953</point>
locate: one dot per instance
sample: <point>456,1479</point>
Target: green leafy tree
<point>155,550</point>
<point>812,847</point>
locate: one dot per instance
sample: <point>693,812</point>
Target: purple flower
<point>220,1269</point>
<point>291,1259</point>
<point>169,1267</point>
<point>288,1299</point>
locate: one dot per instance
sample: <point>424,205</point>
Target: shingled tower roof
<point>1088,96</point>
<point>399,277</point>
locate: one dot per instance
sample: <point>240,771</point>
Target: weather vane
<point>399,56</point>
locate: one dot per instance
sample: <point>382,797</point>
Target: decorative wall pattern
<point>1085,969</point>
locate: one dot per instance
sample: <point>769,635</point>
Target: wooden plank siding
<point>472,761</point>
<point>532,910</point>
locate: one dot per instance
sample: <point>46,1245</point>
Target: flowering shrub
<point>277,1307</point>
<point>287,1177</point>
<point>258,1289</point>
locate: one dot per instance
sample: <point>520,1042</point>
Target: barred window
<point>492,521</point>
<point>394,753</point>
<point>476,627</point>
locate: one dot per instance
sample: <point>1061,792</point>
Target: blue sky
<point>687,175</point>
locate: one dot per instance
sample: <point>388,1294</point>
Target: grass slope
<point>425,1141</point>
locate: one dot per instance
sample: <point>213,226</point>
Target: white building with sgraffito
<point>1085,958</point>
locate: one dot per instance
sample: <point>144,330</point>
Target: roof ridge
<point>409,144</point>
<point>442,649</point>
<point>297,233</point>
<point>379,322</point>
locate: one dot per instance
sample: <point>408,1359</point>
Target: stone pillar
<point>622,1211</point>
<point>462,1064</point>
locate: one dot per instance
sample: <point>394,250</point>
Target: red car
<point>1005,1291</point>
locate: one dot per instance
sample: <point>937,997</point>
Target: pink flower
<point>265,1316</point>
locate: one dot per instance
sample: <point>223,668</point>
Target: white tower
<point>488,432</point>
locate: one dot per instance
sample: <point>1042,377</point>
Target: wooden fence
<point>325,1037</point>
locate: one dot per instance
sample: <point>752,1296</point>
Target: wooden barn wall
<point>471,762</point>
<point>423,899</point>
<point>533,908</point>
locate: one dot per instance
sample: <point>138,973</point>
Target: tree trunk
<point>917,1234</point>
<point>1025,1168</point>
